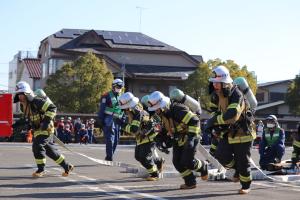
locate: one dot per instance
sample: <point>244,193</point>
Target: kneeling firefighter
<point>234,116</point>
<point>185,129</point>
<point>140,124</point>
<point>296,151</point>
<point>40,113</point>
<point>271,147</point>
<point>163,141</point>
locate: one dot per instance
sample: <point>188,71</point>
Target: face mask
<point>118,90</point>
<point>270,125</point>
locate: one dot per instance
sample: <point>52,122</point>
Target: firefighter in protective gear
<point>271,147</point>
<point>140,124</point>
<point>184,126</point>
<point>236,134</point>
<point>110,118</point>
<point>296,150</point>
<point>40,113</point>
<point>162,141</point>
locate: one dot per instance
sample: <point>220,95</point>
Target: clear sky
<point>262,34</point>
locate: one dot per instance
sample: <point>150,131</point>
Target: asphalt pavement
<point>94,180</point>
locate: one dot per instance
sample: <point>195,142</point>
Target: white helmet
<point>23,87</point>
<point>272,117</point>
<point>221,75</point>
<point>117,82</point>
<point>128,100</point>
<point>272,121</point>
<point>158,100</point>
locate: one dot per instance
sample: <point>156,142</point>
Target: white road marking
<point>277,185</point>
<point>93,188</point>
<point>137,193</point>
<point>149,186</point>
<point>263,184</point>
<point>119,188</point>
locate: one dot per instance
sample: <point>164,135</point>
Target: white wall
<point>13,64</point>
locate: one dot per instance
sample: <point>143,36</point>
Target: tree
<point>293,96</point>
<point>197,83</point>
<point>77,86</point>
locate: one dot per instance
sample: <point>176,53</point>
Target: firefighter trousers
<point>43,146</point>
<point>144,153</point>
<point>214,145</point>
<point>184,160</point>
<point>295,155</point>
<point>236,156</point>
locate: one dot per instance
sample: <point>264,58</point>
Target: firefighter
<point>271,147</point>
<point>237,133</point>
<point>184,126</point>
<point>296,150</point>
<point>40,113</point>
<point>110,116</point>
<point>140,124</point>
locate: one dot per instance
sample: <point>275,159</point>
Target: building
<point>24,67</point>
<point>145,63</point>
<point>271,100</point>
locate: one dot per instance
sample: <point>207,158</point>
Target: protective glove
<point>44,126</point>
<point>210,123</point>
<point>190,141</point>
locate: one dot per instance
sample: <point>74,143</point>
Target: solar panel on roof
<point>115,36</point>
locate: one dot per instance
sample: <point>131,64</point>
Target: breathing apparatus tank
<point>40,93</point>
<point>178,96</point>
<point>242,84</point>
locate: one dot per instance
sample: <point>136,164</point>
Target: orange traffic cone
<point>29,136</point>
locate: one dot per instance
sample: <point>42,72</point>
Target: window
<point>277,96</point>
<point>147,88</point>
<point>53,66</point>
<point>260,97</point>
<point>44,70</point>
<point>45,51</point>
<point>49,50</point>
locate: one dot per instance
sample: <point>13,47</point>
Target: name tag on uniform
<point>103,100</point>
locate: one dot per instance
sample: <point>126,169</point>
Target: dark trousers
<point>271,155</point>
<point>42,146</point>
<point>295,155</point>
<point>236,156</point>
<point>184,160</point>
<point>214,146</point>
<point>144,153</point>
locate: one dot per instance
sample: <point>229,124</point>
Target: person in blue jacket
<point>110,117</point>
<point>271,147</point>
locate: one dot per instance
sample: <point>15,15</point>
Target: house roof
<point>34,67</point>
<point>273,83</point>
<point>159,71</point>
<point>199,58</point>
<point>115,39</point>
<point>269,105</point>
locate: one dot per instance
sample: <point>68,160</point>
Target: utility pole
<point>140,24</point>
<point>123,73</point>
